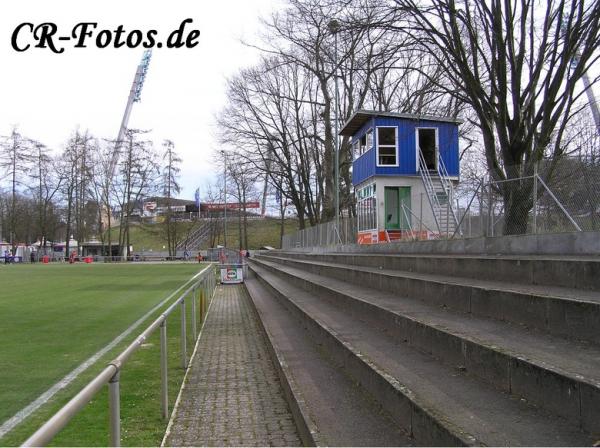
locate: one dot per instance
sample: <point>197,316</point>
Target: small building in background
<point>404,171</point>
<point>98,248</point>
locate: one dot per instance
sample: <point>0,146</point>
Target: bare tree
<point>102,191</point>
<point>280,114</point>
<point>212,193</point>
<point>15,157</point>
<point>170,187</point>
<point>244,180</point>
<point>48,185</point>
<point>138,173</point>
<point>67,169</point>
<point>517,65</point>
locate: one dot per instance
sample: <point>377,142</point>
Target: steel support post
<point>203,305</point>
<point>114,410</point>
<point>535,187</point>
<point>194,328</point>
<point>448,219</point>
<point>164,380</point>
<point>183,337</point>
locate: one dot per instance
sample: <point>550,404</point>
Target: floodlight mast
<point>593,105</point>
<point>592,101</point>
<point>134,97</point>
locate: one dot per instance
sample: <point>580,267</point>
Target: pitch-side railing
<point>200,291</point>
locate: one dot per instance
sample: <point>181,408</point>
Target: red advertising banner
<point>230,205</point>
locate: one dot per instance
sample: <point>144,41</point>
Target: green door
<point>392,208</point>
<point>405,217</point>
<point>397,218</point>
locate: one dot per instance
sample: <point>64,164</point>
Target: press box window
<point>366,142</point>
<point>386,147</point>
<point>356,149</point>
<point>363,144</point>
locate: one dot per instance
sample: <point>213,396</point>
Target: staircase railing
<point>196,237</point>
<point>449,189</point>
<point>434,202</point>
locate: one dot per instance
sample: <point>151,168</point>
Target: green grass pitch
<point>54,317</point>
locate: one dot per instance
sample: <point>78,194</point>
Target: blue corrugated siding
<point>448,141</point>
<point>365,166</point>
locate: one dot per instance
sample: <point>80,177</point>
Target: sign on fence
<point>231,273</point>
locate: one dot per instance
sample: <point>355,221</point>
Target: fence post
<point>202,305</point>
<point>460,220</point>
<point>114,410</point>
<point>469,224</point>
<point>183,336</point>
<point>535,175</point>
<point>194,329</point>
<point>421,217</point>
<point>164,383</point>
<point>490,231</point>
<point>346,230</point>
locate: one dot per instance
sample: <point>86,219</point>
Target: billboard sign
<point>211,206</point>
<point>231,274</point>
<point>149,206</point>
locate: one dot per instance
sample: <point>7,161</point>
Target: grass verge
<point>140,379</point>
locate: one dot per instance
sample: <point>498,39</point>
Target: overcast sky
<point>47,95</point>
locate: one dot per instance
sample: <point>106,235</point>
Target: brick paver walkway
<point>232,396</point>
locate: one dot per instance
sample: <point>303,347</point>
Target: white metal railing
<point>434,202</point>
<point>448,188</point>
<point>201,291</point>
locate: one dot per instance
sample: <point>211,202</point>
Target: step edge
<point>307,428</point>
<point>457,433</point>
<point>407,274</point>
<point>578,381</point>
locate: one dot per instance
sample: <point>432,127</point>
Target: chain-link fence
<point>224,255</point>
<point>325,234</point>
<point>561,196</point>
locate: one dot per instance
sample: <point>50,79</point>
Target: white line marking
<point>9,424</point>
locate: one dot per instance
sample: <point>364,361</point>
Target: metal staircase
<point>440,195</point>
<point>196,237</point>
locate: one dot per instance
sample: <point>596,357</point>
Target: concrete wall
<point>416,190</point>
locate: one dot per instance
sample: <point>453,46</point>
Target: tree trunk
<point>518,202</point>
<point>282,215</point>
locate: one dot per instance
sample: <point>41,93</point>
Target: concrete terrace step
<point>562,271</point>
<point>439,405</point>
<point>560,311</point>
<point>555,373</point>
<point>328,407</point>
